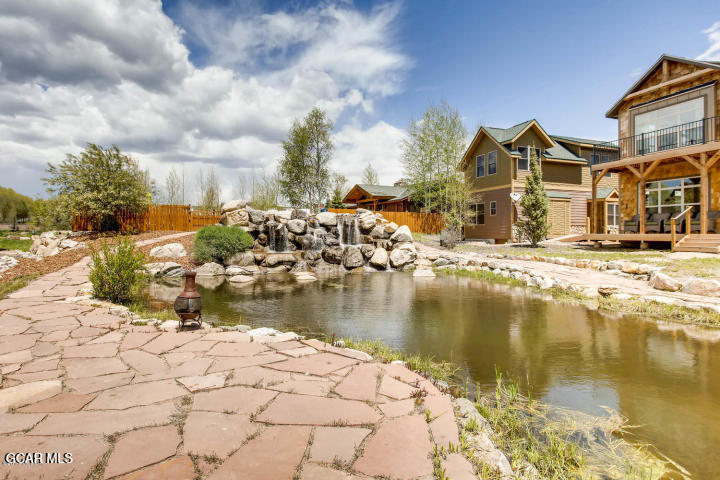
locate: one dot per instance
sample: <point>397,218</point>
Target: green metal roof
<point>558,152</point>
<point>503,135</point>
<point>578,140</point>
<point>558,195</point>
<point>384,190</point>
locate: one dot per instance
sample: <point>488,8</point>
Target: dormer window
<point>523,162</point>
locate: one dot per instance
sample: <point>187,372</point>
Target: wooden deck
<point>708,243</point>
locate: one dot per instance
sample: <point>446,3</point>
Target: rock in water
<point>352,258</point>
<point>332,254</point>
<point>275,259</point>
<point>242,259</point>
<point>367,251</point>
<point>165,269</point>
<point>400,258</point>
<point>242,279</point>
<point>423,272</point>
<point>210,269</point>
<point>171,250</point>
<point>402,234</point>
<point>379,259</point>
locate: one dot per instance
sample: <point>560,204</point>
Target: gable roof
<point>558,152</point>
<point>385,191</point>
<point>612,113</point>
<point>603,193</point>
<point>577,140</point>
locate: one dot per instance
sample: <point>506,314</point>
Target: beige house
<point>667,158</point>
<point>496,164</point>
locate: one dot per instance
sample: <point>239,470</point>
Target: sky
<point>195,85</point>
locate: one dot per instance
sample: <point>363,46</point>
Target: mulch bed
<point>29,266</point>
<point>186,262</point>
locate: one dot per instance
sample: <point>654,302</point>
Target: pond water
<point>663,378</point>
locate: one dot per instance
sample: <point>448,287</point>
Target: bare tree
<point>209,190</point>
<point>174,187</point>
<point>370,175</point>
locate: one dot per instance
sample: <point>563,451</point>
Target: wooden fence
<point>155,218</point>
<point>416,221</point>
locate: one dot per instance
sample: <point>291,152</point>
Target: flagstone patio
<point>132,402</point>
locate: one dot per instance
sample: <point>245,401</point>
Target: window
<point>523,162</point>
<point>480,166</point>
<point>492,163</point>
<point>613,214</point>
<point>672,195</point>
<point>493,208</point>
<point>674,126</point>
<point>477,213</point>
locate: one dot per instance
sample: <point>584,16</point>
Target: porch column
<point>641,182</point>
<point>592,205</point>
<point>704,207</point>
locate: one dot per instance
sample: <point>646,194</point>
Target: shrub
<point>217,243</point>
<point>117,271</point>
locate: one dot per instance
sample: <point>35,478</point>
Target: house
<point>496,164</point>
<point>387,198</point>
<point>667,157</point>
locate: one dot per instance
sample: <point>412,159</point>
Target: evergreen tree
<point>534,203</point>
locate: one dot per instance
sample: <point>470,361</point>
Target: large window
<point>480,166</point>
<point>674,126</point>
<point>613,214</point>
<point>523,162</point>
<point>492,163</point>
<point>477,212</point>
<point>673,195</point>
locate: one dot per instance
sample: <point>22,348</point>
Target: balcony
<point>689,134</point>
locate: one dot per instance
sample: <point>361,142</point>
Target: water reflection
<point>658,375</point>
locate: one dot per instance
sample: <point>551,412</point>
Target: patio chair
<point>656,223</point>
<point>713,216</point>
<point>633,225</point>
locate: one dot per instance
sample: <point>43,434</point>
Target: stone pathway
<point>132,402</point>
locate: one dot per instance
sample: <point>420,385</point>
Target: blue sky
<point>198,85</point>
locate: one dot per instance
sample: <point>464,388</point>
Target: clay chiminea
<point>188,304</point>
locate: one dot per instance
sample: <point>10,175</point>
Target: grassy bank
<point>15,244</point>
<point>16,284</point>
<point>557,443</point>
<point>638,306</point>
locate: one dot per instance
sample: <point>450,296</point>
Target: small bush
<point>217,243</point>
<point>117,271</point>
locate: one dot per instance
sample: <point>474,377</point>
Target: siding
<point>578,204</point>
<point>498,226</point>
<point>502,177</point>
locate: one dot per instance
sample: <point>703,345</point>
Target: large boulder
<point>297,226</point>
<point>379,259</point>
<point>367,251</point>
<point>352,257</point>
<point>275,259</point>
<point>242,279</point>
<point>402,234</point>
<point>660,281</point>
<point>366,222</point>
<point>332,254</point>
<point>400,257</point>
<point>171,250</point>
<point>241,259</point>
<point>391,227</point>
<point>165,269</point>
<point>378,232</point>
<point>327,219</point>
<point>233,270</point>
<point>235,217</point>
<point>301,213</point>
<point>210,269</point>
<point>702,286</point>
<point>256,216</point>
<point>233,205</point>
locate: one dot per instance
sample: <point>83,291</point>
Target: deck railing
<point>678,136</point>
<point>673,226</point>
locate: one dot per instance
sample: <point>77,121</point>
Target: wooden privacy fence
<point>416,221</point>
<point>155,218</point>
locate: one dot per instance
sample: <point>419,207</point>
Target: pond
<point>662,377</point>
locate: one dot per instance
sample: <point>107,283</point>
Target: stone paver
<point>215,433</point>
<point>142,447</point>
<point>291,409</point>
<point>332,444</point>
<point>458,467</point>
<point>259,459</point>
<point>398,450</point>
<point>74,375</point>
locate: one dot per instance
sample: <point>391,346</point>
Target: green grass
<point>699,267</point>
<point>8,244</point>
<point>139,308</point>
<point>16,284</point>
<point>572,253</point>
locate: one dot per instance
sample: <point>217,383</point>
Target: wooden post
<point>587,225</point>
<point>687,222</point>
<point>672,233</point>
<point>604,218</point>
<point>593,213</point>
<point>704,208</point>
<point>643,209</point>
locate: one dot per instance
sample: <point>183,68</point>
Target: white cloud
<point>119,72</point>
<point>713,36</point>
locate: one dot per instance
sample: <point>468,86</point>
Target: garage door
<point>559,217</point>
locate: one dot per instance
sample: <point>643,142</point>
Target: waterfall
<point>277,237</point>
<point>349,230</point>
<point>318,239</point>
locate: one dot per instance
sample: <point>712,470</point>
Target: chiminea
<point>189,304</point>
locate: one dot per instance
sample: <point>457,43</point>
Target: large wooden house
<point>667,158</point>
<point>386,198</point>
<point>496,164</point>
